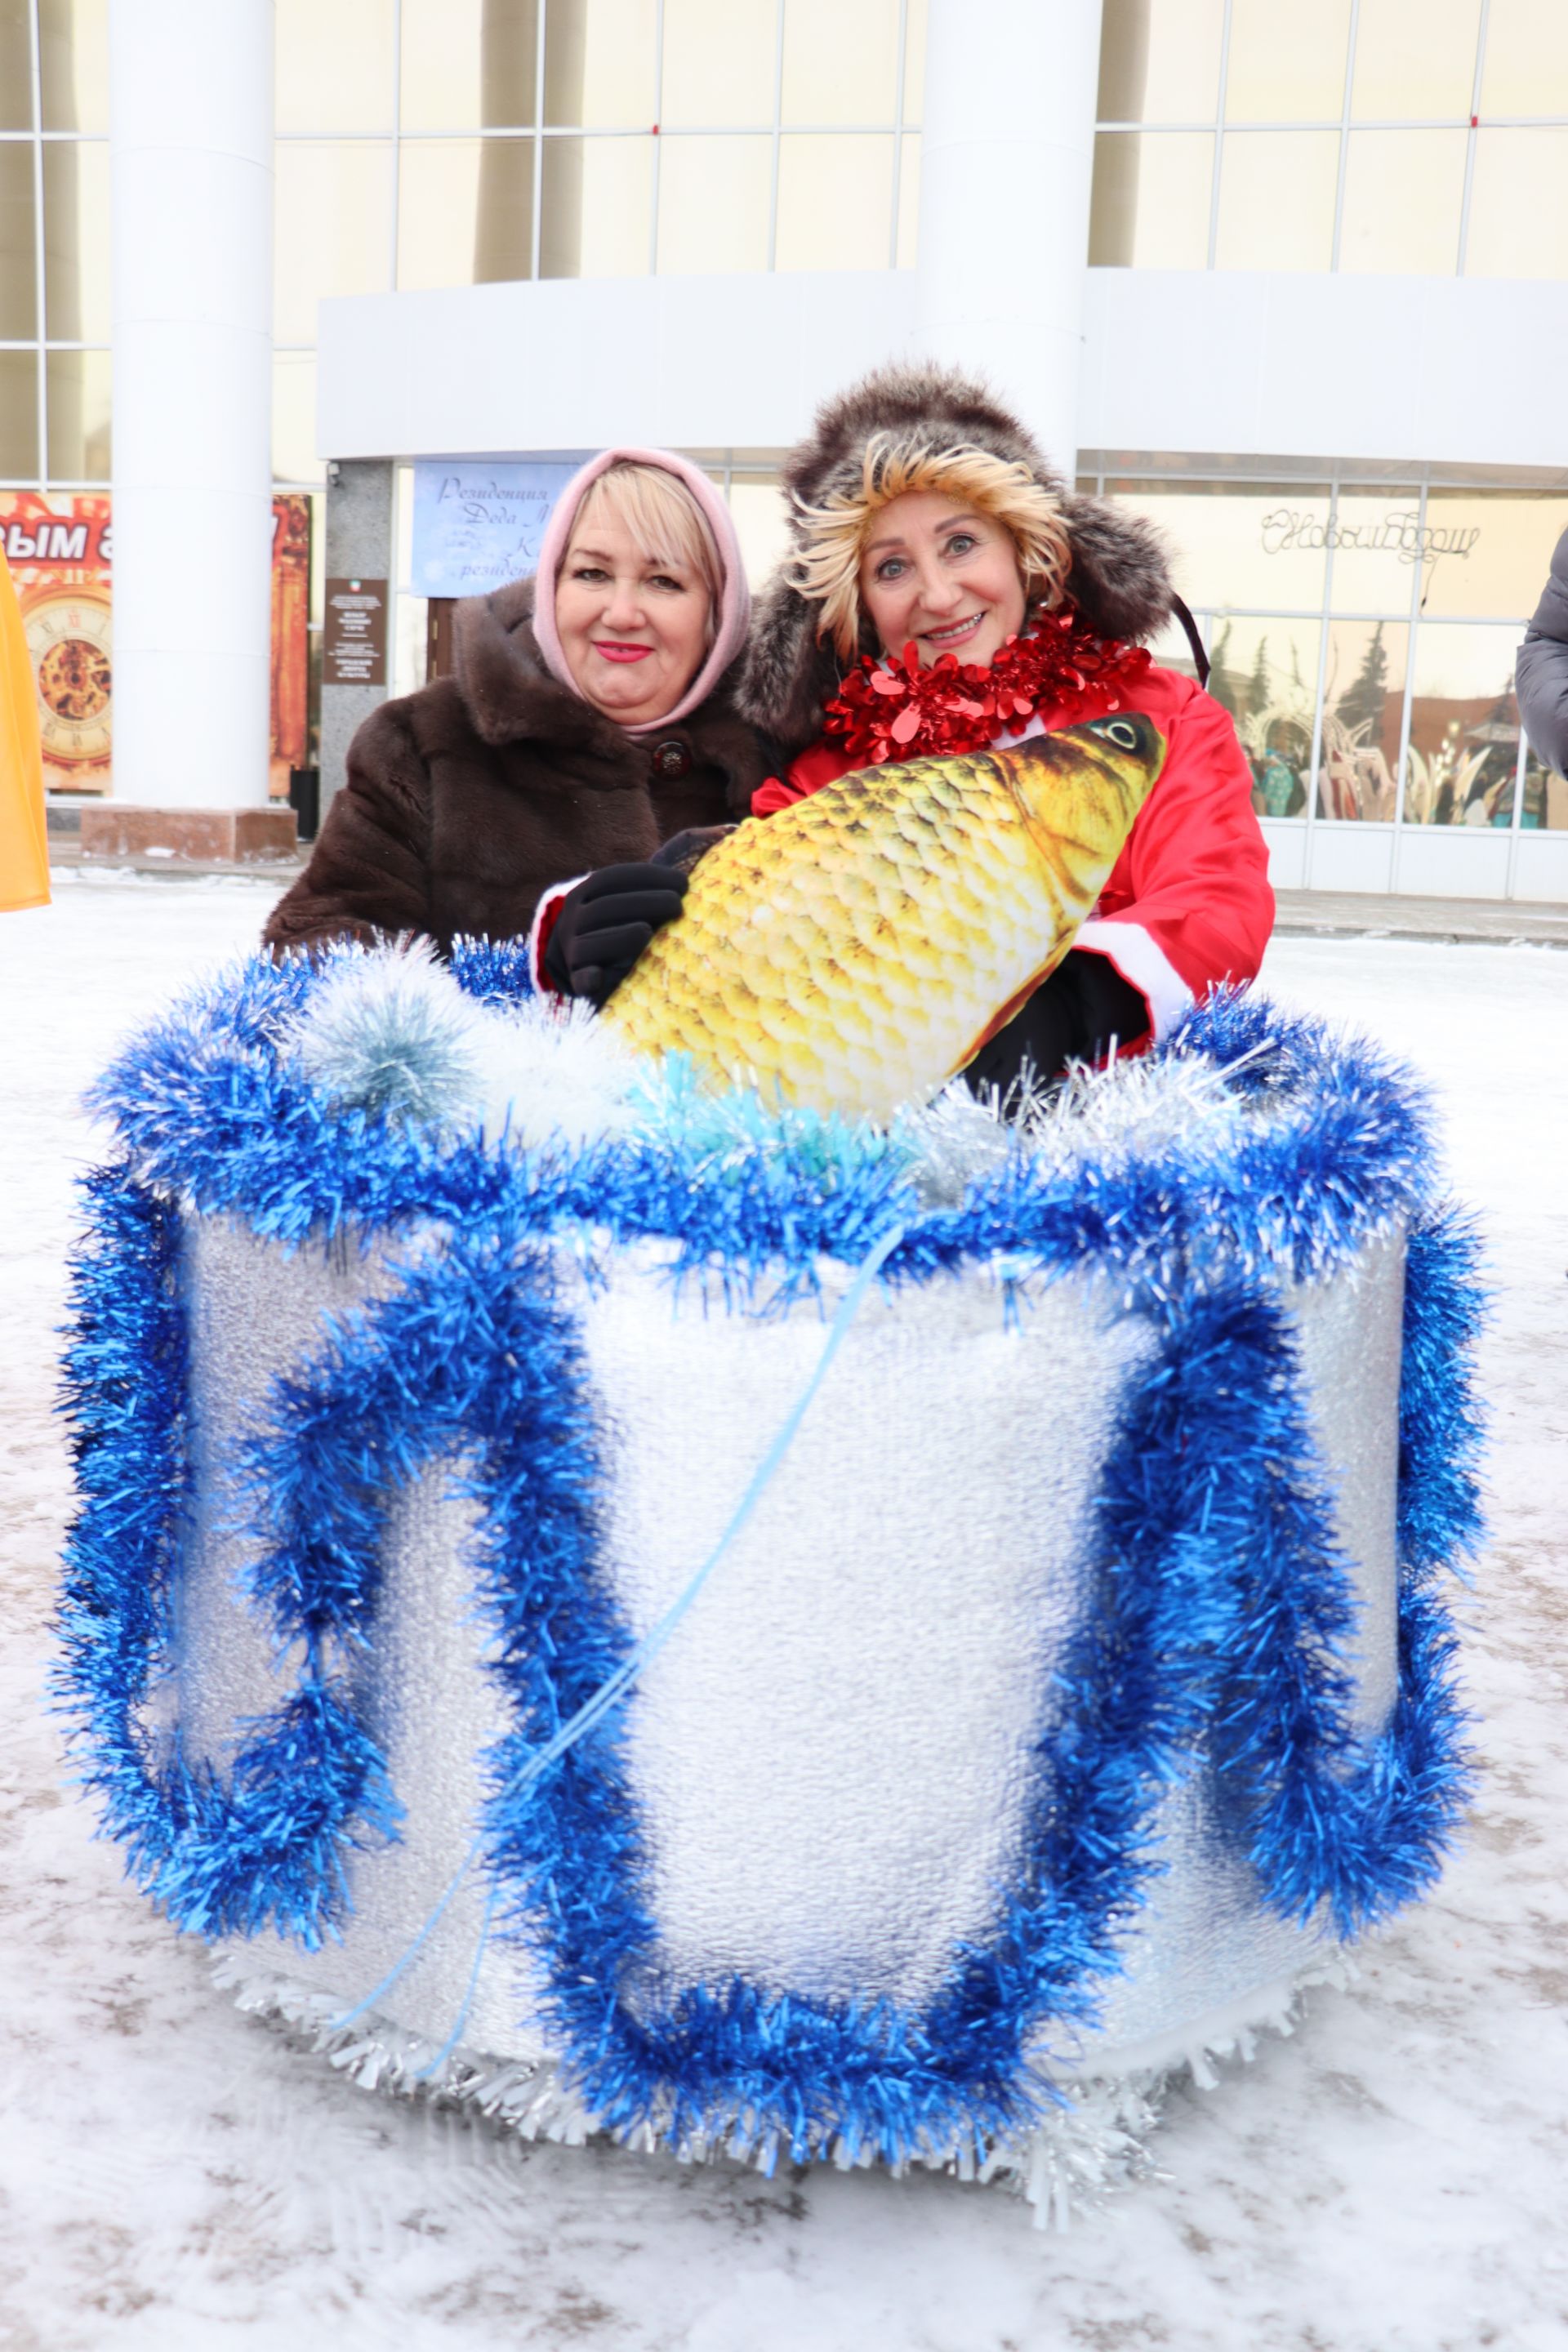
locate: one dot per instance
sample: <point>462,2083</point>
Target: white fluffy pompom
<point>391,1032</point>
<point>1135,1104</point>
<point>952,1141</point>
<point>553,1069</point>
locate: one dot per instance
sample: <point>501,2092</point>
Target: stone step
<point>1354,914</point>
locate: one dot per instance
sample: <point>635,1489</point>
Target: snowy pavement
<point>1393,2178</point>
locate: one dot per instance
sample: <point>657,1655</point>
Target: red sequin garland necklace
<point>894,709</point>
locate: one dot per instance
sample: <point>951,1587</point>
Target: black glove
<point>1071,1017</point>
<point>605,923</point>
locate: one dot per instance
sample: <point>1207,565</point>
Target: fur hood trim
<point>1119,579</point>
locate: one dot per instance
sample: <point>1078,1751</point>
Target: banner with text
<point>477,526</point>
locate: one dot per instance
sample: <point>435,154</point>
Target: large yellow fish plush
<point>854,952</point>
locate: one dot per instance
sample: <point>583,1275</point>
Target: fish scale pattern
<point>853,951</point>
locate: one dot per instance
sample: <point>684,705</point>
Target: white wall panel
<point>1287,855</point>
<point>1350,857</point>
<point>574,363</point>
<point>1457,861</point>
<point>1232,363</point>
<point>1293,363</point>
<point>1541,868</point>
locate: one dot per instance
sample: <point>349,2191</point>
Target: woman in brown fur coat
<point>588,720</point>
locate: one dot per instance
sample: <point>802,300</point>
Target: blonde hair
<point>828,571</point>
<point>666,524</point>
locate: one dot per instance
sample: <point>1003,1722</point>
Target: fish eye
<point>1120,731</point>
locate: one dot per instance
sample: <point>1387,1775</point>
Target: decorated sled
<point>666,1613</point>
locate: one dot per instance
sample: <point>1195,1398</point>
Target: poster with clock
<point>58,547</point>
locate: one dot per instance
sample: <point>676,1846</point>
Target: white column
<point>191,156</point>
<point>1006,158</point>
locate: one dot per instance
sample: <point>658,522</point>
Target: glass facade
<point>1363,634</point>
<point>54,243</point>
<point>450,143</point>
<point>1421,136</point>
<point>437,142</point>
<point>1362,631</point>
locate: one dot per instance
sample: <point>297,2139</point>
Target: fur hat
<point>1119,579</point>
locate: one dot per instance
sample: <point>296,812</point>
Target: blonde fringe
<point>829,572</point>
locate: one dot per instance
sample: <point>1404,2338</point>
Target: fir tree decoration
<point>1365,700</point>
<point>1221,677</point>
<point>1258,690</point>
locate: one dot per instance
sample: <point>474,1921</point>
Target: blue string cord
<point>612,1691</point>
<point>431,2065</point>
<point>401,1966</point>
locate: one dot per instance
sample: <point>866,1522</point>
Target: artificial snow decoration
<point>395,1034</point>
<point>771,1637</point>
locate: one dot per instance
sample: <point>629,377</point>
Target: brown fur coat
<point>465,801</point>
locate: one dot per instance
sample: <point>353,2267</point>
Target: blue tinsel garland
<point>208,1107</point>
<point>308,1781</point>
<point>475,1338</point>
<point>1241,1630</point>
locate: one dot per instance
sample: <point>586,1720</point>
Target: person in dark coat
<point>588,721</point>
<point>1540,673</point>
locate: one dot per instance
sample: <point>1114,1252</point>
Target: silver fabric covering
<point>1202,1940</point>
<point>256,1311</point>
<point>830,1758</point>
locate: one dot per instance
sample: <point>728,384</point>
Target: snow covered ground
<point>1393,2178</point>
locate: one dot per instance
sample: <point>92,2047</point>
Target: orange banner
<point>291,729</point>
<point>24,843</point>
<point>59,547</point>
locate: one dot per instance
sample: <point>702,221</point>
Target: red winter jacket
<point>1188,903</point>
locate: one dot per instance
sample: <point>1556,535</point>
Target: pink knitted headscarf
<point>734,601</point>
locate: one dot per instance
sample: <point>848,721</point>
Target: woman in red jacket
<point>946,592</point>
